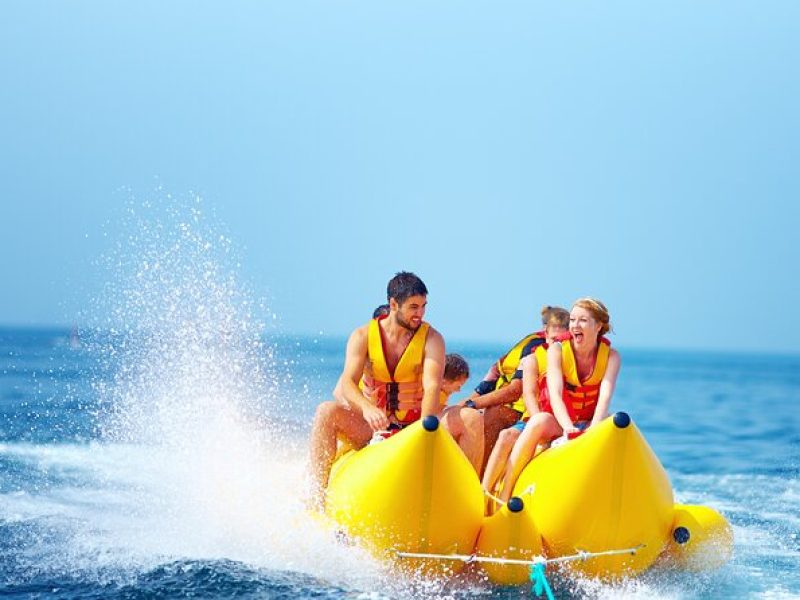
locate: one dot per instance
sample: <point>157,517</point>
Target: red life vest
<point>580,397</point>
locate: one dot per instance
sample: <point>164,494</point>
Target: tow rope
<point>537,565</point>
<point>539,580</point>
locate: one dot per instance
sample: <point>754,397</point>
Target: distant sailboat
<point>74,339</point>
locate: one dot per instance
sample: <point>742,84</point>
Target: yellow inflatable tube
<point>414,492</point>
<point>511,533</point>
<point>701,540</point>
<point>605,490</point>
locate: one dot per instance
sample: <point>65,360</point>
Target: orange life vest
<point>399,393</point>
<point>580,397</point>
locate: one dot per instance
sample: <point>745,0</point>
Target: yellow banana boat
<point>602,492</point>
<point>413,492</point>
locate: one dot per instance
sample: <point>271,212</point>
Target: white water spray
<point>195,399</point>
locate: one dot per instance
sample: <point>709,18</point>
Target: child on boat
<point>555,321</point>
<point>571,394</point>
<point>456,373</point>
<point>499,395</point>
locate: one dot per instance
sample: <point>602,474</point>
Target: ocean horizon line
<point>453,343</point>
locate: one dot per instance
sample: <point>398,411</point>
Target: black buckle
<point>392,396</point>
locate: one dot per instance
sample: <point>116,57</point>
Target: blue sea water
<point>162,464</point>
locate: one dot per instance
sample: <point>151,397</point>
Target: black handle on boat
<point>430,423</point>
<point>515,504</point>
<point>622,419</point>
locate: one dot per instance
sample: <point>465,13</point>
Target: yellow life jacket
<point>443,398</point>
<point>508,364</point>
<point>580,397</point>
<point>399,393</point>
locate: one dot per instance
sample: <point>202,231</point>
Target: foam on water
<point>195,459</point>
<point>138,507</point>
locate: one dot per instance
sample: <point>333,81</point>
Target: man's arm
<point>355,357</point>
<point>432,371</point>
<point>505,395</point>
<point>607,386</point>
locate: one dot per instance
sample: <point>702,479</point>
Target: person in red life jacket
<point>556,324</point>
<point>392,375</point>
<point>499,395</point>
<point>574,393</point>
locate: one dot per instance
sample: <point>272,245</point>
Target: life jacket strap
<point>393,396</point>
<point>582,405</point>
<point>582,391</point>
<point>392,399</point>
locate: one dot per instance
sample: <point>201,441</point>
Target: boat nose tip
<point>681,535</point>
<point>430,423</point>
<point>621,420</point>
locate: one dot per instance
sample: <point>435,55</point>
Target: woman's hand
<point>570,430</point>
<point>375,417</point>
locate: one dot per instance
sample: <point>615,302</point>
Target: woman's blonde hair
<point>598,310</point>
<point>555,315</point>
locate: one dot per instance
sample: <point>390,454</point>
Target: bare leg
<point>497,461</point>
<point>541,426</point>
<point>495,420</point>
<point>466,427</point>
<point>330,420</point>
<point>472,438</point>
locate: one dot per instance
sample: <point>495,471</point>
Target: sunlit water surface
<point>161,453</point>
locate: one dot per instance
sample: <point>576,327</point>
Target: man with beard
<point>392,377</point>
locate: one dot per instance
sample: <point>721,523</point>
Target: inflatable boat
<point>603,499</point>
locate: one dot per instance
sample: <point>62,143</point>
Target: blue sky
<point>512,154</point>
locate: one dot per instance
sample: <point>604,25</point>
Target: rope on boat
<point>538,560</point>
<point>528,491</point>
<point>537,566</point>
<point>492,497</point>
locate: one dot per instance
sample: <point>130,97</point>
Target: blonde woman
<point>574,392</point>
